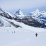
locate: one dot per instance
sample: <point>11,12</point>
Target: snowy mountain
<point>35,13</point>
<point>35,18</point>
<point>38,14</point>
<point>5,22</point>
<point>4,19</point>
<point>6,14</point>
<point>19,14</point>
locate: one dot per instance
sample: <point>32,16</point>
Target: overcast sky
<point>21,4</point>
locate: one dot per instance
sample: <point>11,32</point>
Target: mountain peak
<point>35,13</point>
<point>37,10</point>
<point>19,14</point>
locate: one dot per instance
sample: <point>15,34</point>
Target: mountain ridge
<point>36,18</point>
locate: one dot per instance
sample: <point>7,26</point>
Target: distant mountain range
<point>36,18</point>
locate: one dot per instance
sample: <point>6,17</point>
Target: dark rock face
<point>15,25</point>
<point>28,20</point>
<point>6,15</point>
<point>31,22</point>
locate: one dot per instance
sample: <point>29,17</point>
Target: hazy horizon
<point>25,5</point>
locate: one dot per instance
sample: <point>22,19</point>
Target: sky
<point>29,5</point>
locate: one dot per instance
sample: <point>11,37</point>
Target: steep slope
<point>19,14</point>
<point>8,22</point>
<point>6,14</point>
<point>4,23</point>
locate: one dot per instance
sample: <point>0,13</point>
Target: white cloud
<point>22,4</point>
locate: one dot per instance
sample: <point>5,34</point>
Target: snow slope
<point>26,27</point>
<point>25,36</point>
<point>4,22</point>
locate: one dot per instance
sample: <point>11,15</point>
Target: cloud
<point>22,4</point>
